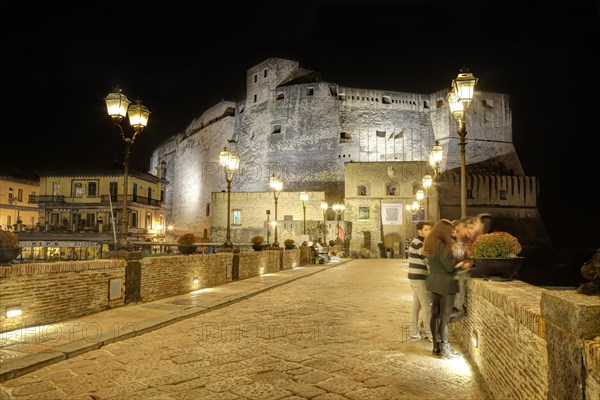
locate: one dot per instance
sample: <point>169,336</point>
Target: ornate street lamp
<point>420,194</point>
<point>459,99</point>
<point>427,183</point>
<point>324,207</point>
<point>435,157</point>
<point>304,198</point>
<point>339,209</point>
<point>230,163</point>
<point>118,106</point>
<point>276,184</point>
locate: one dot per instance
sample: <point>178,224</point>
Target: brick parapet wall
<point>51,292</point>
<point>531,342</point>
<point>173,275</point>
<point>505,320</point>
<point>591,363</point>
<point>573,336</point>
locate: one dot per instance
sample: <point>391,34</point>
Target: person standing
<point>417,274</point>
<point>463,250</point>
<point>443,265</point>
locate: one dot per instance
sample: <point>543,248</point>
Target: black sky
<point>60,61</point>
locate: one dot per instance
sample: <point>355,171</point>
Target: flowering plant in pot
<point>257,243</point>
<point>9,246</point>
<point>185,243</point>
<point>497,254</point>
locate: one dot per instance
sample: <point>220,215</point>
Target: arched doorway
<point>394,241</point>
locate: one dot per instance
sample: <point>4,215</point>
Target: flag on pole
<point>341,232</point>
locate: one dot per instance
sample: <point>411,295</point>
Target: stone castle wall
<point>305,130</point>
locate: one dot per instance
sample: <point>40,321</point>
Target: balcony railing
<point>62,200</point>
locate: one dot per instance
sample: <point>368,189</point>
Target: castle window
<point>426,104</point>
<point>255,78</point>
<point>345,137</point>
<point>208,209</point>
<point>254,98</point>
<point>237,217</point>
<point>276,128</point>
<point>20,195</point>
<point>280,96</point>
<point>503,195</point>
<point>391,190</point>
<point>265,73</point>
<point>386,100</point>
<point>363,213</point>
<point>310,91</point>
<point>439,103</point>
<point>362,190</point>
<point>469,193</point>
<point>134,219</point>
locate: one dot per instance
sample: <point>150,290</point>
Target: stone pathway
<point>338,334</point>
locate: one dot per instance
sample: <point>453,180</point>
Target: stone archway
<point>394,240</point>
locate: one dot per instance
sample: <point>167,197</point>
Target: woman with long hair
<point>443,266</point>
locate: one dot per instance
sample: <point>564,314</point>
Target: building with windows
<point>78,213</point>
<point>90,201</point>
<point>16,212</point>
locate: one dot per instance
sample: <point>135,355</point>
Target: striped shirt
<point>417,264</point>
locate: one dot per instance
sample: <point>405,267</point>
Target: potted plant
<point>185,243</point>
<point>289,244</point>
<point>257,243</point>
<point>9,246</point>
<point>497,254</point>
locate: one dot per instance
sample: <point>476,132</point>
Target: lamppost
<point>276,184</point>
<point>338,208</point>
<point>459,99</point>
<point>118,106</point>
<point>268,226</point>
<point>427,182</point>
<point>304,198</point>
<point>231,163</point>
<point>324,207</point>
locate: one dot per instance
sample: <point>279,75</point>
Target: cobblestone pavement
<point>338,334</point>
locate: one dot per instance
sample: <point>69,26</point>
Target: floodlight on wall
<point>14,311</point>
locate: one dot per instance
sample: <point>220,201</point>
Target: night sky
<point>59,63</point>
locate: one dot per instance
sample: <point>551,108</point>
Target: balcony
<point>52,200</point>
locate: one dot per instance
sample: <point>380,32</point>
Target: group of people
<point>439,264</point>
<point>320,255</point>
